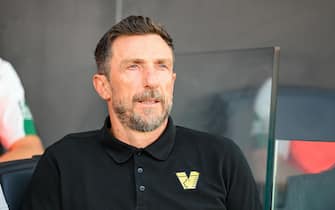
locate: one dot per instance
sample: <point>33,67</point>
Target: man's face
<point>141,81</point>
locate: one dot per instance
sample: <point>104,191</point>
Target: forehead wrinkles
<point>141,46</point>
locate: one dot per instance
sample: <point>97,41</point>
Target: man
<point>140,159</point>
<point>17,131</point>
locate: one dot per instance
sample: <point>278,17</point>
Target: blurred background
<point>51,46</point>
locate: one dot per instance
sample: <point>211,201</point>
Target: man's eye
<point>163,66</point>
<point>133,67</point>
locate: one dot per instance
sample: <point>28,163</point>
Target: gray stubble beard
<point>136,122</point>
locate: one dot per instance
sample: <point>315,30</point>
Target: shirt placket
<point>140,186</point>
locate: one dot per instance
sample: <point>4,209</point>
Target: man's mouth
<point>149,101</point>
<point>148,97</point>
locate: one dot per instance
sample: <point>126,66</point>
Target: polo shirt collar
<point>122,152</point>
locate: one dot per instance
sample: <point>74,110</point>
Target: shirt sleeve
<point>44,189</point>
<point>15,117</point>
<point>242,192</point>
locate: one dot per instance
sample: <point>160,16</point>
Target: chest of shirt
<point>142,182</point>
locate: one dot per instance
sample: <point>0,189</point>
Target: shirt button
<point>140,170</point>
<point>142,188</point>
<point>139,153</point>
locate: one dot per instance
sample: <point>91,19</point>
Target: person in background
<point>17,131</point>
<point>140,159</point>
<point>299,156</point>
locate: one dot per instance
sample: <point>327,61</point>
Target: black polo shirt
<point>183,169</point>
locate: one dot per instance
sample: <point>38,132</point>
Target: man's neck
<point>135,138</point>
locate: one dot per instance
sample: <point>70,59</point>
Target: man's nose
<point>150,77</point>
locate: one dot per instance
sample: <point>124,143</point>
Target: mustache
<point>148,95</point>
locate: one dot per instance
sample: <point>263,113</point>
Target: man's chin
<point>152,111</point>
<point>151,120</point>
<point>145,123</point>
<point>148,113</point>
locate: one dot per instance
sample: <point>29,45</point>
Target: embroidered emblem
<point>188,182</point>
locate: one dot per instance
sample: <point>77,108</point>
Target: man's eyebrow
<point>163,60</point>
<point>140,61</point>
<point>135,60</point>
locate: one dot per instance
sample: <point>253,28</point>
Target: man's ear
<point>174,76</point>
<point>101,86</point>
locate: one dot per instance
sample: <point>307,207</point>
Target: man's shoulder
<point>85,135</point>
<point>10,84</point>
<point>76,141</point>
<point>205,139</point>
<point>220,150</point>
